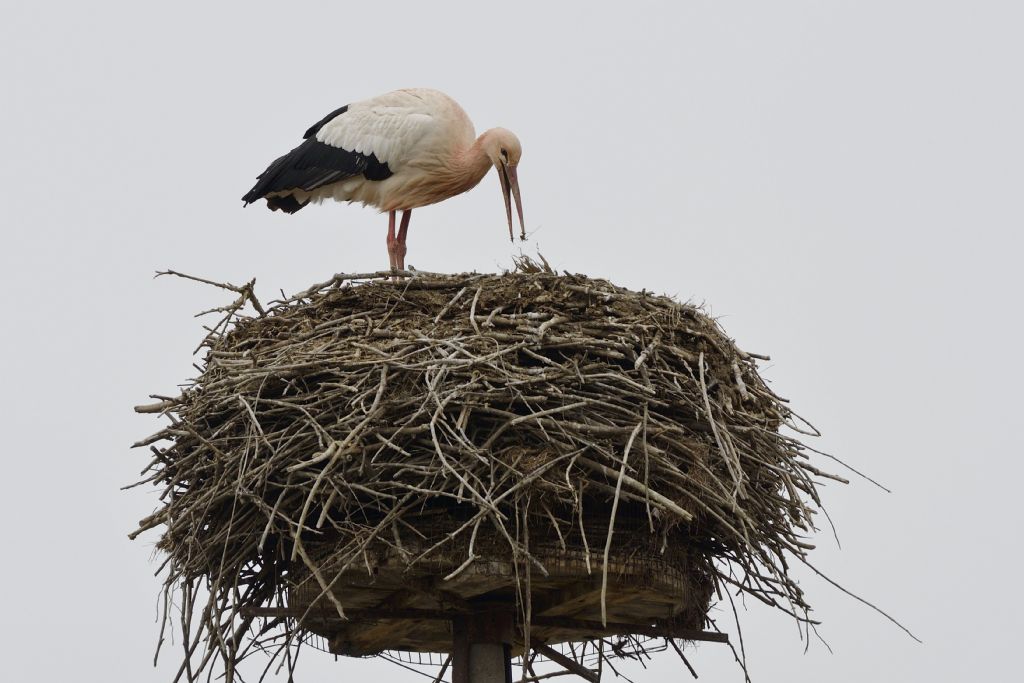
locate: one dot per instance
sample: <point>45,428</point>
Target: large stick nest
<point>519,408</point>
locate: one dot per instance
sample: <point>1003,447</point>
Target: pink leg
<point>403,231</point>
<point>392,241</point>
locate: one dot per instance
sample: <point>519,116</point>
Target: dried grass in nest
<point>319,424</point>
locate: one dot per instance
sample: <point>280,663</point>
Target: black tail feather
<point>287,203</point>
<point>311,165</point>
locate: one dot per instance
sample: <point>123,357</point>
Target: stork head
<point>504,151</point>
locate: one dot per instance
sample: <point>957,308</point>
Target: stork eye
<point>504,154</point>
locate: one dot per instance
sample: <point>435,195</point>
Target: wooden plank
<point>585,628</point>
<point>361,614</point>
<point>617,628</point>
<point>479,578</point>
<point>362,639</point>
<point>568,600</point>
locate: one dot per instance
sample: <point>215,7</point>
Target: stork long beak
<point>509,178</point>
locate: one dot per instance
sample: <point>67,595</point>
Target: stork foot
<point>396,255</point>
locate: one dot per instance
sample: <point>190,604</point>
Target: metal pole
<point>481,647</point>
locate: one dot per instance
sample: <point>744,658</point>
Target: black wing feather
<point>315,128</point>
<point>314,164</point>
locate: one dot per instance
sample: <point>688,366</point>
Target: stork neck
<point>473,163</point>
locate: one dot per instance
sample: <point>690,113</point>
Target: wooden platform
<point>391,607</point>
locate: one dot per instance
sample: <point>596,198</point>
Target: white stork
<point>397,152</point>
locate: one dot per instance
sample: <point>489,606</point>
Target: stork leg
<point>392,241</point>
<point>403,231</point>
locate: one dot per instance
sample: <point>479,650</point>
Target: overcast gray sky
<point>840,182</point>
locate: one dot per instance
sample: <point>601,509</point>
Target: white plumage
<point>395,126</point>
<point>398,151</point>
